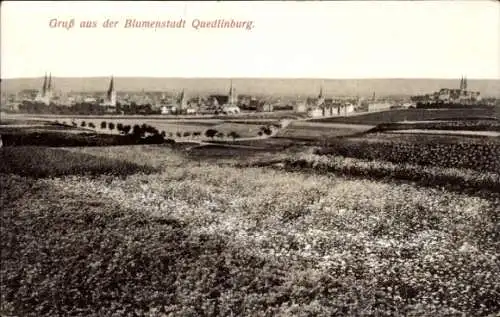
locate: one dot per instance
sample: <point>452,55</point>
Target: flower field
<point>471,153</point>
<point>192,238</point>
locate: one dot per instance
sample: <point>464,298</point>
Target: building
<point>264,107</point>
<point>300,107</point>
<point>229,104</point>
<point>168,109</point>
<point>110,100</point>
<point>459,95</point>
<point>45,94</point>
<point>232,97</point>
<point>181,101</point>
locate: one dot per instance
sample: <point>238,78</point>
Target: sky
<point>344,39</point>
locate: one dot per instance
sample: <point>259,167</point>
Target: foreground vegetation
<point>482,154</point>
<point>202,239</point>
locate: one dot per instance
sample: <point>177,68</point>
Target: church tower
<point>45,94</point>
<point>48,92</point>
<point>232,94</point>
<point>321,98</point>
<point>182,100</point>
<point>111,94</point>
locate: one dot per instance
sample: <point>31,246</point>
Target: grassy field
<point>154,231</point>
<point>185,128</point>
<point>309,131</point>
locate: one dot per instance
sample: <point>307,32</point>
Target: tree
<point>103,125</point>
<point>220,135</point>
<point>196,133</point>
<point>163,134</point>
<point>233,135</point>
<point>210,133</point>
<point>126,129</point>
<point>179,134</point>
<point>83,124</point>
<point>137,131</point>
<point>186,134</point>
<point>266,130</point>
<point>91,125</point>
<point>111,126</point>
<point>119,127</point>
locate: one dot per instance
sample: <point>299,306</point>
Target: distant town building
<point>45,94</point>
<point>110,100</point>
<point>300,106</point>
<point>168,109</point>
<point>326,107</point>
<point>451,95</point>
<point>264,107</point>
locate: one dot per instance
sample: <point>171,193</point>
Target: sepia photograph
<point>250,158</point>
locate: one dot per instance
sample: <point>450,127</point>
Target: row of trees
<point>145,130</point>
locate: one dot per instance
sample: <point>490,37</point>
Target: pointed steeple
<point>111,86</point>
<point>321,92</point>
<point>231,93</point>
<point>44,87</point>
<point>49,85</point>
<point>181,97</point>
<point>465,83</point>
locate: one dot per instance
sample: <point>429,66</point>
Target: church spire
<point>49,85</point>
<point>231,93</point>
<point>181,98</point>
<point>111,86</point>
<point>321,91</point>
<point>44,87</point>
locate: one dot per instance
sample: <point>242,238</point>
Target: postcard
<point>267,158</point>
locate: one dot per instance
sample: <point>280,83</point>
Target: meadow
<point>151,230</point>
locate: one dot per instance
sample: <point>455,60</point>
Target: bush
<point>266,130</point>
<point>137,131</point>
<point>210,133</point>
<point>233,135</point>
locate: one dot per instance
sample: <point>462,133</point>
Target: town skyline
<point>261,86</point>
